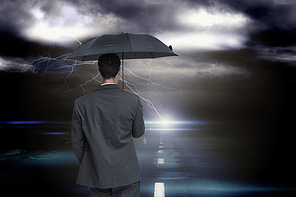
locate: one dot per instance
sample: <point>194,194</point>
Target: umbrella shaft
<point>122,71</point>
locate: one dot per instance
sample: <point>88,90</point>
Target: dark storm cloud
<point>271,14</point>
<point>274,25</point>
<point>136,16</point>
<point>274,37</point>
<point>140,15</point>
<point>156,16</point>
<point>127,16</point>
<point>15,16</point>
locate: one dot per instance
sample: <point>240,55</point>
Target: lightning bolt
<point>149,103</point>
<point>156,84</point>
<point>201,55</point>
<point>81,86</point>
<point>45,64</point>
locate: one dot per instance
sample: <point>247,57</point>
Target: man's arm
<point>138,126</point>
<point>77,135</point>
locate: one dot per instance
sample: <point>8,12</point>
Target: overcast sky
<point>236,58</point>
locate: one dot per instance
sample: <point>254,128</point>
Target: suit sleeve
<point>77,135</point>
<point>138,125</point>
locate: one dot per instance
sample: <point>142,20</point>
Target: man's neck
<point>109,81</point>
<point>107,84</point>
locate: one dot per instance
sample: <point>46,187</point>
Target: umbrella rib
<point>88,49</point>
<point>152,55</point>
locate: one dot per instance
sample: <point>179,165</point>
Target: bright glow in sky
<point>37,13</point>
<point>208,31</point>
<point>201,18</point>
<point>203,40</point>
<point>60,28</point>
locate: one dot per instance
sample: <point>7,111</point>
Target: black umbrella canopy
<point>125,45</point>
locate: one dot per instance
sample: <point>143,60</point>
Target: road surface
<point>174,162</point>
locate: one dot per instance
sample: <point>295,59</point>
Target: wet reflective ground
<point>175,161</point>
<point>209,163</point>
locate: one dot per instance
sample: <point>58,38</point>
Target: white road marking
<point>160,151</point>
<point>160,161</point>
<point>159,190</point>
<point>160,146</point>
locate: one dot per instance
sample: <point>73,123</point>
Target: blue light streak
<point>55,133</point>
<point>23,122</point>
<point>194,122</point>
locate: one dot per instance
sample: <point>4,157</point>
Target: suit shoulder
<point>131,95</point>
<point>83,98</point>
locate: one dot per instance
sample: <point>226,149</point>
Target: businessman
<point>103,125</point>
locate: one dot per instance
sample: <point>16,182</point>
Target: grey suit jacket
<point>103,125</point>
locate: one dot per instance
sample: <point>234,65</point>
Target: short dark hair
<point>109,65</point>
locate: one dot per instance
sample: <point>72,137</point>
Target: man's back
<point>103,125</point>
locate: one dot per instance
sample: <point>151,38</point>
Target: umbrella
<point>125,45</point>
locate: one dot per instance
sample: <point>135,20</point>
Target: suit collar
<point>108,86</point>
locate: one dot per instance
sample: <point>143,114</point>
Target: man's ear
<point>119,72</point>
<point>99,72</point>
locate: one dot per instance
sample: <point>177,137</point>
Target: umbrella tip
<point>171,47</point>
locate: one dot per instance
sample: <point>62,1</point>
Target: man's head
<point>109,65</point>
